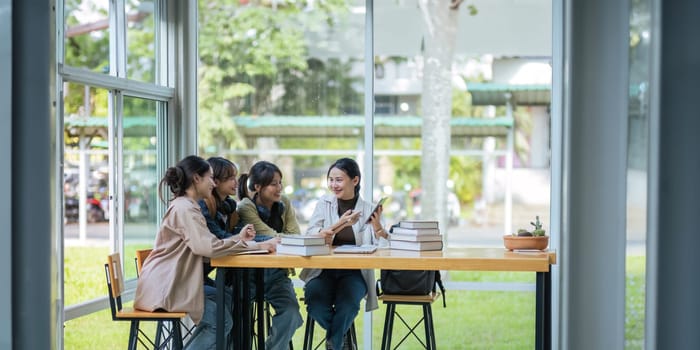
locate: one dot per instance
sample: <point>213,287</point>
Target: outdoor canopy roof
<point>351,126</point>
<point>493,94</point>
<point>307,126</point>
<point>137,126</point>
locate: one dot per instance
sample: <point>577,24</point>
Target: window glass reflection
<point>85,190</point>
<point>140,40</point>
<point>140,182</point>
<point>471,110</point>
<point>638,153</point>
<point>87,34</point>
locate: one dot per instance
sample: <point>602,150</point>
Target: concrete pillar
<point>32,239</point>
<point>596,41</point>
<point>673,307</point>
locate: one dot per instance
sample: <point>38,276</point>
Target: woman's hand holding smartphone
<point>376,207</point>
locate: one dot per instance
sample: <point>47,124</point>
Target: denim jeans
<point>279,292</point>
<point>204,336</point>
<point>333,300</point>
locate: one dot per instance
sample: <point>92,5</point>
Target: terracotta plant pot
<point>524,242</point>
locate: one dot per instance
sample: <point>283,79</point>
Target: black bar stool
<point>425,301</point>
<point>268,323</point>
<point>309,335</point>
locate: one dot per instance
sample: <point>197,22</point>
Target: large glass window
<point>282,82</point>
<point>114,142</point>
<point>460,124</point>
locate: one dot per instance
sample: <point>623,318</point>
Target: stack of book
<point>416,235</point>
<point>303,245</point>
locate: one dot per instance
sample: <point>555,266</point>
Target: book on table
<point>357,249</point>
<point>415,238</point>
<point>302,240</point>
<point>248,252</point>
<point>415,231</point>
<point>303,250</point>
<point>422,246</point>
<point>418,224</point>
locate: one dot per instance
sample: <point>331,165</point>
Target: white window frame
<point>162,91</point>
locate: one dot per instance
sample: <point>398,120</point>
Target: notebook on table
<point>355,249</point>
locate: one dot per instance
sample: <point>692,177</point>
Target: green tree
<point>254,60</point>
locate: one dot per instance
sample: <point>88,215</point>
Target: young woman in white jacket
<point>343,217</point>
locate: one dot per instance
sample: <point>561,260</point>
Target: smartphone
<point>381,201</point>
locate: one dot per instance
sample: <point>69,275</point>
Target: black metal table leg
<point>388,326</point>
<point>220,307</point>
<point>429,326</point>
<point>543,318</point>
<point>240,333</point>
<point>259,300</point>
<point>246,314</point>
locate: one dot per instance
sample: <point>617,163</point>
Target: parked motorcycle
<point>95,211</point>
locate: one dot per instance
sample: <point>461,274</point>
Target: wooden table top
<point>464,259</point>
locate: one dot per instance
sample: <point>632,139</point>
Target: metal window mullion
<point>163,110</point>
<point>117,42</point>
<point>164,40</point>
<point>157,5</point>
<point>651,309</point>
<point>557,162</point>
<point>113,42</point>
<point>116,135</point>
<point>127,87</point>
<point>369,99</point>
<point>169,29</point>
<point>60,32</point>
<point>59,211</point>
<point>185,60</point>
<point>510,146</point>
<point>369,135</point>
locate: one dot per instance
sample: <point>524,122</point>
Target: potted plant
<point>524,239</point>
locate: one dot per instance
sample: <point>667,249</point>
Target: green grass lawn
<point>472,319</point>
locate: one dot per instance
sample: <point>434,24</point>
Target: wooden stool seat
<point>127,312</point>
<point>391,300</point>
<point>400,298</point>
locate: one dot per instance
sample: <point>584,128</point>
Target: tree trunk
<point>440,28</point>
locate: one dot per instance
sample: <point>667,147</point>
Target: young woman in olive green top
<point>262,204</point>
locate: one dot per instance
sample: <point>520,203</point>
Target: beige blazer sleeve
<point>192,227</point>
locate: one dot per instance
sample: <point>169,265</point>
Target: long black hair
<point>261,173</point>
<point>350,167</point>
<point>178,178</point>
<point>223,170</point>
